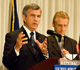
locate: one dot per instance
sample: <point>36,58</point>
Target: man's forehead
<point>31,11</point>
<point>61,19</point>
<point>34,10</point>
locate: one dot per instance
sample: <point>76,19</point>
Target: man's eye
<point>65,25</point>
<point>38,16</point>
<point>59,25</point>
<point>32,15</point>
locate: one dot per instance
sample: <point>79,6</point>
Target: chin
<point>61,34</point>
<point>33,28</point>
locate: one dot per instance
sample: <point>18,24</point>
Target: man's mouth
<point>35,23</point>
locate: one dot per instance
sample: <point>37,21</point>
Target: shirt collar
<point>61,35</point>
<point>28,32</point>
<point>61,38</point>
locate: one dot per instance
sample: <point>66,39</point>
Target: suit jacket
<point>26,59</point>
<point>69,44</point>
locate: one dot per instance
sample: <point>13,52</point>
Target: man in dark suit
<point>68,45</point>
<point>22,50</point>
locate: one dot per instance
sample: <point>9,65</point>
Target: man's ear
<point>53,24</point>
<point>24,18</point>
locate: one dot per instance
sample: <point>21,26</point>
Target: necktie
<point>33,42</point>
<point>32,38</point>
<point>62,42</point>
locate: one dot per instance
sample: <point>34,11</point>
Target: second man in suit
<point>68,45</point>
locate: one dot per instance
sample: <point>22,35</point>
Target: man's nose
<point>35,18</point>
<point>62,27</point>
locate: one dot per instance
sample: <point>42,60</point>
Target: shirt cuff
<point>46,56</point>
<point>17,52</point>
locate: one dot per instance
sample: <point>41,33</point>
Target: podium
<point>56,64</point>
<point>47,64</point>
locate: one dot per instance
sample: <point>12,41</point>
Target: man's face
<point>60,25</point>
<point>32,20</point>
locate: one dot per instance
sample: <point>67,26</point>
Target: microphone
<point>51,32</point>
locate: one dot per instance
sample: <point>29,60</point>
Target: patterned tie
<point>62,42</point>
<point>33,42</point>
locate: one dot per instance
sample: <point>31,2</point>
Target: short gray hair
<point>30,6</point>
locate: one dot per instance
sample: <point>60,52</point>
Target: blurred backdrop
<point>49,8</point>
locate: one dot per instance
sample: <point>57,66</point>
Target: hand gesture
<point>19,41</point>
<point>43,46</point>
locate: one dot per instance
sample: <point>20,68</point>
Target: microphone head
<point>50,32</point>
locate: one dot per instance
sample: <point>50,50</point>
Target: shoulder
<point>41,35</point>
<point>16,31</point>
<point>13,34</point>
<point>51,36</point>
<point>72,40</point>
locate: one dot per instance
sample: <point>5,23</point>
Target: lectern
<point>47,64</point>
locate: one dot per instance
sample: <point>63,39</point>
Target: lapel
<point>55,44</point>
<point>66,43</point>
<point>29,42</point>
<point>38,37</point>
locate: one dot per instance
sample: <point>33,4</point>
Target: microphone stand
<point>61,47</point>
<point>62,51</point>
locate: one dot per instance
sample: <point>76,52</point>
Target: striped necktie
<point>33,42</point>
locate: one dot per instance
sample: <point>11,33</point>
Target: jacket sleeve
<point>9,55</point>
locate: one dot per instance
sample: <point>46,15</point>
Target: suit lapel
<point>55,44</point>
<point>29,42</point>
<point>66,43</point>
<point>39,39</point>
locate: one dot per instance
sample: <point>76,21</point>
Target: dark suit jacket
<point>26,59</point>
<point>68,44</point>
